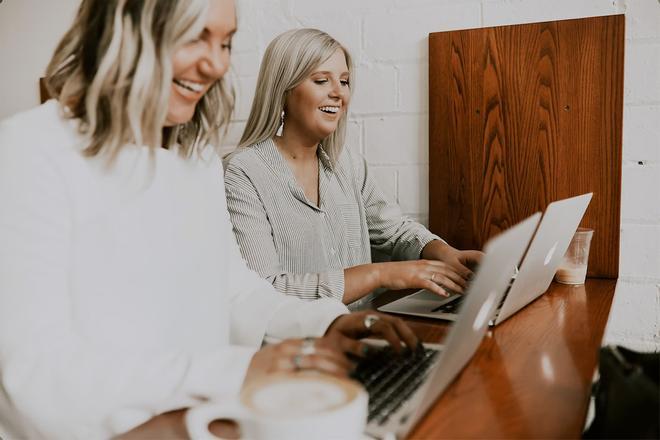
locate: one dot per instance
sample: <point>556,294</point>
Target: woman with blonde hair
<point>122,290</point>
<point>306,211</point>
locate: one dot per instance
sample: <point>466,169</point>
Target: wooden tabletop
<point>530,378</point>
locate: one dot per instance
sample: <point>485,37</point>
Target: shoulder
<point>43,130</point>
<point>245,158</point>
<point>43,127</point>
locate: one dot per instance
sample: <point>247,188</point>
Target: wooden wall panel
<point>520,116</point>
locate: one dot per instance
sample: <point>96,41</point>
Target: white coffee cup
<point>303,405</point>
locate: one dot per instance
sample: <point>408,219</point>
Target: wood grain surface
<point>530,377</point>
<point>520,116</point>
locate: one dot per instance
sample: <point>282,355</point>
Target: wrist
<point>332,325</point>
<point>378,275</point>
<point>436,250</point>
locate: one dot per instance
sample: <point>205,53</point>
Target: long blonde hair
<point>113,71</point>
<point>289,59</point>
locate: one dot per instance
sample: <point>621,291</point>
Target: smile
<point>189,85</point>
<point>329,109</point>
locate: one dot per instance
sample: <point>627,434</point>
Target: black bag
<point>627,395</point>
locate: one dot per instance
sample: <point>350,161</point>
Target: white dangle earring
<point>281,127</point>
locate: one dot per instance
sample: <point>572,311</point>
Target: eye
<point>194,41</point>
<point>345,82</point>
<point>226,45</point>
<point>320,81</point>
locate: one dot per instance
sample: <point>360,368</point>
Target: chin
<point>325,133</point>
<point>179,116</point>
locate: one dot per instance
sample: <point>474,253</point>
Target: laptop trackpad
<point>437,300</point>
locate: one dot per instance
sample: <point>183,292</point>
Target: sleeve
<point>254,235</point>
<point>389,230</point>
<point>53,381</point>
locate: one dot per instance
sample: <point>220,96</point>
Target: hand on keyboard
<point>346,330</point>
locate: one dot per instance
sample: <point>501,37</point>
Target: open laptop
<point>401,391</point>
<point>537,269</point>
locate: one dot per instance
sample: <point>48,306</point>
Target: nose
<point>215,63</point>
<point>336,90</point>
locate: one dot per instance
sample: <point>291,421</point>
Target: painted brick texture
<point>388,120</point>
<point>389,111</point>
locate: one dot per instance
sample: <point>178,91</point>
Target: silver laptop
<point>399,400</point>
<point>537,269</point>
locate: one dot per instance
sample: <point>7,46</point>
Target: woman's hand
<point>321,354</point>
<point>432,275</point>
<point>463,262</point>
<point>346,330</point>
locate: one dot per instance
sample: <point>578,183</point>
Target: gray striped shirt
<point>303,249</point>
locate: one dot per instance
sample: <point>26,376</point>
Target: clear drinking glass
<point>573,269</point>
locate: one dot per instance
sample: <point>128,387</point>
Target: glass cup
<point>573,269</point>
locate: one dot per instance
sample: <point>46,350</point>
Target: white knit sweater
<point>122,291</point>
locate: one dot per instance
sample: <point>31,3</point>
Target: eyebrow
<point>327,72</point>
<point>230,34</point>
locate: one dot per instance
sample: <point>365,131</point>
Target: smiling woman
<point>122,291</point>
<point>195,73</point>
<point>99,70</point>
<point>306,211</point>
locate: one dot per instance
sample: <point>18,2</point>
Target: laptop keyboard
<point>390,379</point>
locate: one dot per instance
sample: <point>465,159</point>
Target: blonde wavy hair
<point>289,59</point>
<point>112,70</point>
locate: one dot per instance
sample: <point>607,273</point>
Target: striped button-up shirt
<point>301,248</point>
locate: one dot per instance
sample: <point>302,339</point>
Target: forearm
<point>309,286</point>
<point>361,280</point>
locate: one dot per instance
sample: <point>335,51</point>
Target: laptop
<point>545,253</point>
<point>402,388</point>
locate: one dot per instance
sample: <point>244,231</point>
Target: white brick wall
<point>388,40</point>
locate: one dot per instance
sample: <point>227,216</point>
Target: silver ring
<point>308,346</point>
<point>297,362</point>
<point>433,276</point>
<point>369,321</point>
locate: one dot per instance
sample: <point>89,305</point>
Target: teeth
<point>190,85</point>
<point>330,109</point>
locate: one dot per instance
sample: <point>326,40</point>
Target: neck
<point>296,147</point>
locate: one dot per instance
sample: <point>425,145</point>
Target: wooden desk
<point>530,377</point>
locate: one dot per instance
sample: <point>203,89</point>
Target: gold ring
<point>369,321</point>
